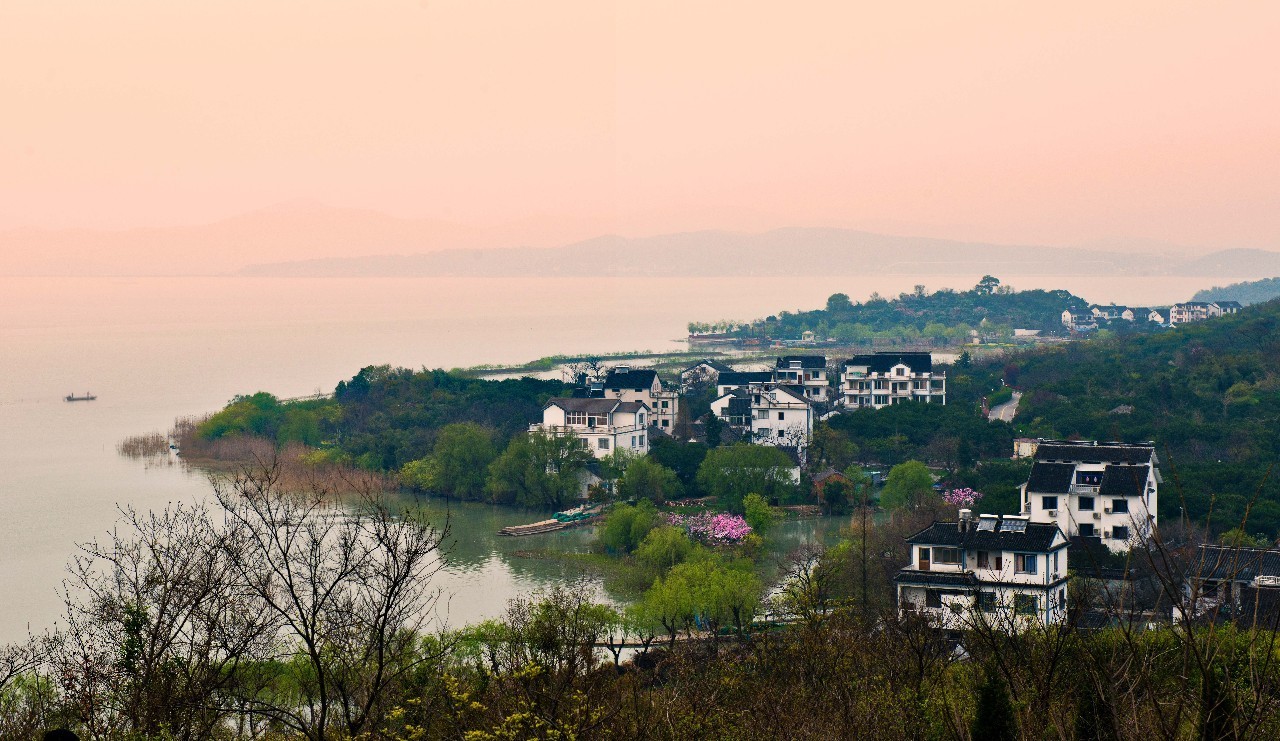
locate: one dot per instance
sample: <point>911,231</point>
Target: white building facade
<point>1005,572</point>
<point>885,378</point>
<point>809,372</point>
<point>1107,491</point>
<point>603,426</point>
<point>643,385</point>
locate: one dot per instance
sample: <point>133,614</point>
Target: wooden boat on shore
<point>87,397</point>
<point>559,521</point>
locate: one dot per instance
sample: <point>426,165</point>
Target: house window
<point>642,441</point>
<point>932,598</point>
<point>762,414</point>
<point>763,432</point>
<point>1085,504</point>
<point>900,371</point>
<point>1025,604</point>
<point>1089,478</point>
<point>946,555</point>
<point>1055,562</point>
<point>1120,532</point>
<point>1086,529</point>
<point>987,601</point>
<point>1120,506</point>
<point>633,441</point>
<point>1025,563</point>
<point>576,418</point>
<point>666,423</point>
<point>642,419</point>
<point>664,405</point>
<point>603,443</point>
<point>1062,598</point>
<point>984,560</point>
<point>1049,502</point>
<point>781,416</point>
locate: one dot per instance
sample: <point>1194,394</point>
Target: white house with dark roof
<point>1222,308</point>
<point>809,372</point>
<point>885,378</point>
<point>1007,572</point>
<point>773,413</point>
<point>1079,321</point>
<point>1189,311</point>
<point>729,380</point>
<point>1095,490</point>
<point>603,425</point>
<point>642,384</point>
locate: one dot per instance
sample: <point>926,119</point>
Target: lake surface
<point>153,349</point>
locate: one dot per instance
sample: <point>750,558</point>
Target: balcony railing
<point>588,429</point>
<point>1085,488</point>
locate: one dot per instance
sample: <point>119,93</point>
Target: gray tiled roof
<point>1050,478</point>
<point>1059,450</point>
<point>1124,481</point>
<point>1237,564</point>
<point>940,578</point>
<point>598,406</point>
<point>882,362</point>
<point>635,378</point>
<point>1037,537</point>
<point>806,361</point>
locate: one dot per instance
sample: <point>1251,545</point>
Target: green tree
<point>538,470</point>
<point>993,719</point>
<point>908,485</point>
<point>732,472</point>
<point>830,448</point>
<point>626,525</point>
<point>663,548</point>
<point>987,286</point>
<point>758,514</point>
<point>839,302</point>
<point>462,454</point>
<point>647,479</point>
<point>421,475</point>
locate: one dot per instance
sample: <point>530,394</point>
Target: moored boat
<point>87,397</point>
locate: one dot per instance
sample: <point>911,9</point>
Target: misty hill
<point>290,231</point>
<point>781,252</point>
<point>1249,292</point>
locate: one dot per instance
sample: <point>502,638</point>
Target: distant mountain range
<point>1250,292</point>
<point>781,252</point>
<point>312,240</point>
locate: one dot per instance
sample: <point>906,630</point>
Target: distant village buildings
<point>1187,311</point>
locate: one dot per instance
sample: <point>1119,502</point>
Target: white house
<point>603,425</point>
<point>806,371</point>
<point>1222,308</point>
<point>1156,315</point>
<point>1090,489</point>
<point>1111,312</point>
<point>781,415</point>
<point>1078,321</point>
<point>642,384</point>
<point>1188,311</point>
<point>884,378</point>
<point>1006,572</point>
<point>729,380</point>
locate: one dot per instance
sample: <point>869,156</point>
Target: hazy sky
<point>1018,122</point>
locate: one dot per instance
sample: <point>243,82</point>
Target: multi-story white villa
<point>1091,489</point>
<point>1222,308</point>
<point>1005,572</point>
<point>603,425</point>
<point>642,384</point>
<point>1188,311</point>
<point>781,415</point>
<point>886,378</point>
<point>806,371</point>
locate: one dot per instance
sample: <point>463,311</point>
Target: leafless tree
<point>346,593</point>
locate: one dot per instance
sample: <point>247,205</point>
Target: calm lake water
<point>153,349</point>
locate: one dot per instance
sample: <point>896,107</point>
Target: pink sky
<point>1026,122</point>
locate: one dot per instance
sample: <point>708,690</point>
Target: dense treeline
<point>1208,395</point>
<point>1247,292</point>
<point>942,317</point>
<point>385,417</point>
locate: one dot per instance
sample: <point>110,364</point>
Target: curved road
<point>1004,412</point>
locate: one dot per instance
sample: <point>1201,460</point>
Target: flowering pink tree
<point>965,497</point>
<point>712,529</point>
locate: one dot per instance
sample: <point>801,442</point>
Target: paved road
<point>1004,412</point>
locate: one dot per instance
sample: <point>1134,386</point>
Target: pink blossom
<point>965,497</point>
<point>712,529</point>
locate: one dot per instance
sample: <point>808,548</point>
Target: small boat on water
<point>87,397</point>
<point>559,521</point>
